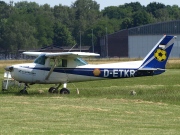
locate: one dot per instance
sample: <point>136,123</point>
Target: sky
<point>102,3</point>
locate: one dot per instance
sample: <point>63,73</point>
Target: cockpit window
<point>80,62</point>
<point>40,60</point>
<point>59,62</point>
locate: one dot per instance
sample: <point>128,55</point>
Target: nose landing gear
<point>24,90</point>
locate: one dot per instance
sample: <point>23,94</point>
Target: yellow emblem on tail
<point>160,55</point>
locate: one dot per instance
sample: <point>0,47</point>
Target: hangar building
<point>138,41</point>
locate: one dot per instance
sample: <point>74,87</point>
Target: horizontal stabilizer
<point>152,69</point>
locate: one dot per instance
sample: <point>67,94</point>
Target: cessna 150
<point>65,67</point>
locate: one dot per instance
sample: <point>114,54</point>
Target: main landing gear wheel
<point>64,91</point>
<point>53,90</point>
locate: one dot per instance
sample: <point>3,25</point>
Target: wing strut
<point>51,70</point>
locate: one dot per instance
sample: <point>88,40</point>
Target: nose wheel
<point>24,90</point>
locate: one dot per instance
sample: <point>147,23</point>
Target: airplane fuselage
<point>35,73</point>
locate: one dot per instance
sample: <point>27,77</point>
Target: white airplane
<point>65,67</point>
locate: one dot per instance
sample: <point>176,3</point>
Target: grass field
<point>102,107</point>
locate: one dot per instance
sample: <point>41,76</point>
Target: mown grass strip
<point>64,115</point>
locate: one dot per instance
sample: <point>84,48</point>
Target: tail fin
<point>159,55</point>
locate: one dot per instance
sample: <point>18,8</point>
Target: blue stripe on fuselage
<point>103,72</point>
<point>95,72</point>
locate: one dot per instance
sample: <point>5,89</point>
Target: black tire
<point>52,90</point>
<point>23,92</point>
<point>64,91</point>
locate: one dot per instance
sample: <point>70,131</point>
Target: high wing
<point>71,54</point>
<point>63,54</point>
<point>33,53</point>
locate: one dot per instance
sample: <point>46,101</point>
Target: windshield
<point>40,59</point>
<point>80,62</point>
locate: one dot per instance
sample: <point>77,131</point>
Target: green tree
<point>5,12</point>
<point>174,12</point>
<point>44,21</point>
<point>127,23</point>
<point>112,12</point>
<point>121,12</point>
<point>44,32</point>
<point>64,14</point>
<point>86,15</point>
<point>62,36</point>
<point>39,17</point>
<point>3,34</point>
<point>135,6</point>
<point>162,15</point>
<point>25,7</point>
<point>141,18</point>
<point>63,25</point>
<point>153,7</point>
<point>19,35</point>
<point>100,29</point>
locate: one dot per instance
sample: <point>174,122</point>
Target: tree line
<point>28,25</point>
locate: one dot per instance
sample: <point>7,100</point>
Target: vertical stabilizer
<point>159,55</point>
